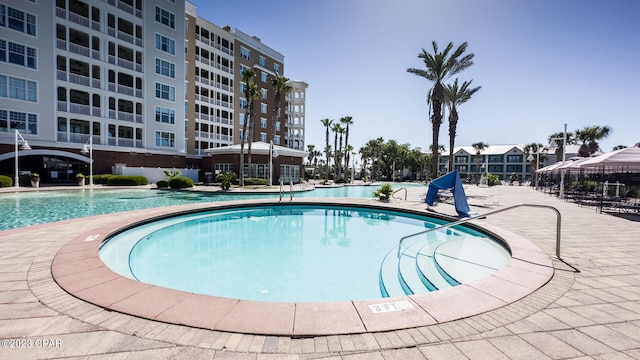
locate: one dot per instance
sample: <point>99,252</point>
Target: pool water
<point>279,253</point>
<point>38,207</point>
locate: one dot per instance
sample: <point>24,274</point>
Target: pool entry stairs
<point>414,268</point>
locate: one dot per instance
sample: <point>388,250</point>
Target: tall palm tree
<point>346,121</point>
<point>337,129</point>
<point>282,87</point>
<point>454,97</point>
<point>247,78</point>
<point>439,67</point>
<point>589,136</point>
<point>478,147</point>
<point>254,94</point>
<point>327,124</point>
<point>311,156</point>
<point>556,139</point>
<point>316,157</point>
<point>534,150</point>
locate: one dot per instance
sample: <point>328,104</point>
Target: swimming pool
<point>21,209</point>
<point>302,253</point>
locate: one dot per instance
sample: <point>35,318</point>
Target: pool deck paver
<point>591,314</point>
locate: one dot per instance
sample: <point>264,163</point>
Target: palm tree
<point>281,85</point>
<point>619,147</point>
<point>316,156</point>
<point>534,151</point>
<point>589,137</point>
<point>454,97</point>
<point>326,123</point>
<point>313,158</point>
<point>439,67</point>
<point>247,78</point>
<point>346,121</point>
<point>254,94</point>
<point>478,147</point>
<point>337,129</point>
<point>556,138</point>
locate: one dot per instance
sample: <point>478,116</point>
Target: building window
<point>17,54</point>
<point>243,68</point>
<point>17,20</point>
<point>165,44</point>
<point>263,108</point>
<point>277,125</point>
<point>514,168</point>
<point>23,122</point>
<point>19,89</point>
<point>262,61</point>
<point>496,158</point>
<point>167,116</point>
<point>221,168</point>
<point>276,140</point>
<point>165,17</point>
<point>514,158</point>
<point>263,137</point>
<point>165,139</point>
<point>264,94</point>
<point>164,91</point>
<point>276,68</point>
<point>263,123</point>
<point>165,68</point>
<point>460,159</point>
<point>243,103</point>
<point>245,53</point>
<point>263,76</point>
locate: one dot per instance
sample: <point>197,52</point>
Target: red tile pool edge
<point>78,270</point>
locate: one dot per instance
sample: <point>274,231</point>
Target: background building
<point>146,83</point>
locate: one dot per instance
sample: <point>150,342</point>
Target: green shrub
<point>101,179</point>
<point>384,193</point>
<point>226,179</point>
<point>254,181</point>
<point>493,180</point>
<point>341,181</point>
<point>180,182</point>
<point>25,180</point>
<point>127,180</point>
<point>162,184</point>
<point>6,181</point>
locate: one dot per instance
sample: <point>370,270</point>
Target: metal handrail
<point>405,192</point>
<point>281,190</point>
<point>291,190</point>
<point>465,220</point>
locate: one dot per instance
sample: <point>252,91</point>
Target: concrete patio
<point>590,309</point>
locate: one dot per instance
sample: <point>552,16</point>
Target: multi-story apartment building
<point>107,73</point>
<point>146,83</point>
<point>499,160</point>
<point>296,101</point>
<point>266,63</point>
<point>211,85</point>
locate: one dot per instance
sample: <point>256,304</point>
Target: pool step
<point>414,271</point>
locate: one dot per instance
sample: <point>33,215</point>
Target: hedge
<point>127,180</point>
<point>254,181</point>
<point>180,182</point>
<point>162,184</point>
<point>6,181</point>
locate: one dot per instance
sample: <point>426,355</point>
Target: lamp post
<point>272,154</point>
<point>89,149</point>
<point>535,172</point>
<point>564,151</point>
<point>25,146</point>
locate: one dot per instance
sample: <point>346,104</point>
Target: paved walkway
<point>590,314</point>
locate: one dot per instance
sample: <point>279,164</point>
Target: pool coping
<point>78,269</point>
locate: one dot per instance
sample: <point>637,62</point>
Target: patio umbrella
<point>628,157</point>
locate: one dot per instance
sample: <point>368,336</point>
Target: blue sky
<point>540,63</point>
